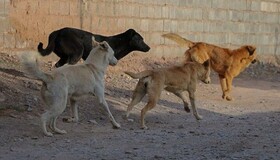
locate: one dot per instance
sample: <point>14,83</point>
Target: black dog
<point>72,44</point>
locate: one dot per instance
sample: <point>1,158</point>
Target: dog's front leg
<point>223,85</point>
<point>182,96</point>
<point>101,99</point>
<point>229,84</point>
<point>192,99</point>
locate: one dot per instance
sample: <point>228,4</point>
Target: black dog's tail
<point>51,44</point>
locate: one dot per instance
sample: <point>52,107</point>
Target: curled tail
<point>51,44</point>
<point>140,74</point>
<point>179,40</point>
<point>31,65</point>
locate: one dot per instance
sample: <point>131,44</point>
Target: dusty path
<point>247,128</point>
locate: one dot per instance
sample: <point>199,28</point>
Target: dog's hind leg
<point>150,105</point>
<point>74,58</point>
<point>138,94</point>
<point>154,91</point>
<point>45,118</point>
<point>75,53</point>
<point>55,128</point>
<point>61,62</point>
<point>57,109</point>
<point>192,99</point>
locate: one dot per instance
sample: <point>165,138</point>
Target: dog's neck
<point>120,45</point>
<point>96,70</point>
<point>97,61</point>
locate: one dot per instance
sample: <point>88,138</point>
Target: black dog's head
<point>127,42</point>
<point>137,41</point>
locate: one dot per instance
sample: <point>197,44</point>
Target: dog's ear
<point>206,64</point>
<point>94,42</point>
<point>130,32</point>
<point>104,45</point>
<point>251,49</point>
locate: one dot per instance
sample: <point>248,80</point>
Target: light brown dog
<point>175,79</point>
<point>227,63</point>
<point>72,82</point>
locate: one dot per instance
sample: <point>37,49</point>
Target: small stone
<point>93,122</point>
<point>158,157</point>
<point>181,126</point>
<point>13,115</point>
<point>34,138</point>
<point>127,152</point>
<point>29,109</point>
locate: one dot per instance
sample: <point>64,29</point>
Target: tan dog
<point>174,79</point>
<point>72,82</point>
<point>227,63</point>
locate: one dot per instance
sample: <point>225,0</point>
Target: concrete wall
<point>229,23</point>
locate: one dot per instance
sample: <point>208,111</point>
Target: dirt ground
<point>246,128</point>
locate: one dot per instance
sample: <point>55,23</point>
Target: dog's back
<point>177,76</point>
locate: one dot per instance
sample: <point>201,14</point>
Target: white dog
<point>73,81</point>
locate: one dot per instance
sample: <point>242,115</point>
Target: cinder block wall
<point>229,23</point>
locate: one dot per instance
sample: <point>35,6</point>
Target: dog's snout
<point>143,46</point>
<point>147,48</point>
<point>113,62</point>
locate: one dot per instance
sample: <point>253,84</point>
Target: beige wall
<point>227,23</point>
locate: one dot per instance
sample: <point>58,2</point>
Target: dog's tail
<point>179,40</point>
<point>140,74</point>
<point>31,65</point>
<point>51,44</point>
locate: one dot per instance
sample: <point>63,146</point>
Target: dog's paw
<point>144,127</point>
<point>187,109</point>
<point>60,131</point>
<point>69,120</point>
<point>116,126</point>
<point>228,98</point>
<point>48,134</point>
<point>125,117</point>
<point>130,120</point>
<point>199,117</point>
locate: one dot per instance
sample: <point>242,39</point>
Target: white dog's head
<point>110,53</point>
<point>101,49</point>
